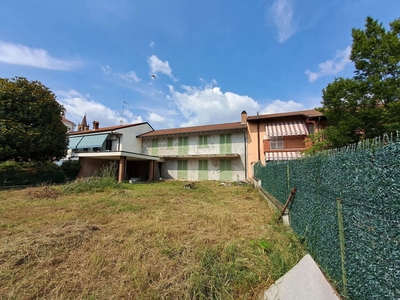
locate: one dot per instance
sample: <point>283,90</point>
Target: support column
<point>151,170</point>
<point>122,168</point>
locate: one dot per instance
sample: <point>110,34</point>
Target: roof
<point>110,128</point>
<point>306,113</point>
<point>196,129</point>
<point>66,120</point>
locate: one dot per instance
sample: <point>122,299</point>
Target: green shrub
<point>70,169</point>
<point>29,173</point>
<point>103,179</point>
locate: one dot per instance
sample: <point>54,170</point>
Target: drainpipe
<point>119,142</point>
<point>245,153</point>
<point>258,136</point>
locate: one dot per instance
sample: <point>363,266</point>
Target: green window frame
<point>225,144</point>
<point>183,146</point>
<point>182,169</point>
<point>225,169</point>
<point>170,142</point>
<point>203,140</point>
<point>154,146</point>
<point>203,170</point>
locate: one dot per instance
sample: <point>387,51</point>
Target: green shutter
<point>182,169</point>
<point>225,169</point>
<point>183,146</point>
<point>203,170</point>
<point>225,144</point>
<point>154,147</point>
<point>203,141</point>
<point>170,142</point>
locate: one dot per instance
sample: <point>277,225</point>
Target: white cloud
<point>106,69</point>
<point>281,13</point>
<point>153,117</point>
<point>158,66</point>
<point>278,106</point>
<point>18,54</point>
<point>209,105</point>
<point>128,76</point>
<point>77,105</point>
<point>331,66</point>
<point>151,44</point>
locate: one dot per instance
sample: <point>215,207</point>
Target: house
<point>69,124</point>
<point>209,152</point>
<point>120,144</point>
<point>281,136</point>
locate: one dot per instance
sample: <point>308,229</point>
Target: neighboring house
<point>210,152</point>
<point>69,124</point>
<point>98,146</point>
<point>281,136</point>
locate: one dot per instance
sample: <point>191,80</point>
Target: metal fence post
<point>341,242</point>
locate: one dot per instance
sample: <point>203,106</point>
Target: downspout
<point>245,153</point>
<point>119,142</point>
<point>258,136</point>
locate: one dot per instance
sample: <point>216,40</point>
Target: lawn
<point>141,241</point>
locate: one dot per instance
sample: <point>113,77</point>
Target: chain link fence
<point>347,209</point>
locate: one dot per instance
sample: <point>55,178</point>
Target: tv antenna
<point>122,112</point>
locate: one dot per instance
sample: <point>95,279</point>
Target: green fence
<point>347,208</point>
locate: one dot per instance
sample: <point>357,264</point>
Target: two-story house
<point>281,136</point>
<point>210,152</point>
<point>120,144</point>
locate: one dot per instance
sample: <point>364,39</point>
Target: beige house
<point>281,136</point>
<point>210,152</point>
<point>120,144</point>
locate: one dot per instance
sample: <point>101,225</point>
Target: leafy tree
<point>30,123</point>
<point>366,105</point>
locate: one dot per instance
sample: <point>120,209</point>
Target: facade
<point>281,136</point>
<point>69,124</point>
<point>211,152</point>
<point>120,144</point>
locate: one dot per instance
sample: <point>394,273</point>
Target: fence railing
<point>347,208</point>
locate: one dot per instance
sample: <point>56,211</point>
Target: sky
<point>181,63</point>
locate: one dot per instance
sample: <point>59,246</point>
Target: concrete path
<point>304,281</point>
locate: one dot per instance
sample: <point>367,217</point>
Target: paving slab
<point>305,281</point>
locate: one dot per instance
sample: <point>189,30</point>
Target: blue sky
<point>211,59</point>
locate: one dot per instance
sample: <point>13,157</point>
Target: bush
<point>70,169</point>
<point>105,178</point>
<point>30,173</point>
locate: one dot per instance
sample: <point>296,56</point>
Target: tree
<point>366,105</point>
<point>30,122</point>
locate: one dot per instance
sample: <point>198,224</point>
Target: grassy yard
<point>142,241</point>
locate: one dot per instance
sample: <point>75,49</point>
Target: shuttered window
<point>183,146</point>
<point>154,147</point>
<point>203,141</point>
<point>182,169</point>
<point>225,144</point>
<point>225,169</point>
<point>203,170</point>
<point>170,142</point>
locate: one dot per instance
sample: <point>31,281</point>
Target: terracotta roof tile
<point>107,128</point>
<point>306,113</point>
<point>196,129</point>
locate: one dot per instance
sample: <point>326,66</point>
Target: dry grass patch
<point>143,241</point>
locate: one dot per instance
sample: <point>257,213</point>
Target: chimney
<point>244,117</point>
<point>96,125</point>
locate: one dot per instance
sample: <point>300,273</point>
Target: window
<point>225,169</point>
<point>310,128</point>
<point>109,145</point>
<point>203,170</point>
<point>203,141</point>
<point>225,144</point>
<point>276,142</point>
<point>170,142</point>
<point>154,147</point>
<point>183,146</point>
<point>182,169</point>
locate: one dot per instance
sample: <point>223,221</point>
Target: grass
<point>141,241</point>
